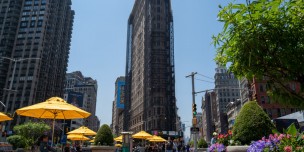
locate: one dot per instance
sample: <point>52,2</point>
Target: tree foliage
<point>251,124</point>
<point>17,141</point>
<point>29,133</point>
<point>265,38</point>
<point>104,136</point>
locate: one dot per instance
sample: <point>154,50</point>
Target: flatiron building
<point>150,81</point>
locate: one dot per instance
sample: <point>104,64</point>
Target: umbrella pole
<point>53,132</point>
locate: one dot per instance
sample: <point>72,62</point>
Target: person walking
<point>169,145</point>
<point>214,138</point>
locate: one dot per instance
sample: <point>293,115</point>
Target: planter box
<point>237,148</point>
<point>103,148</point>
<point>202,149</point>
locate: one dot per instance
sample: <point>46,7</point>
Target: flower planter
<point>237,148</point>
<point>103,148</point>
<point>202,149</point>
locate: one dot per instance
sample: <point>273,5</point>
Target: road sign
<point>194,130</point>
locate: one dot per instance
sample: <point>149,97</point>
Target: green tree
<point>17,141</point>
<point>265,38</point>
<point>252,123</point>
<point>202,143</point>
<point>29,132</point>
<point>104,136</point>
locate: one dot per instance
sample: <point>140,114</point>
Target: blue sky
<point>98,48</point>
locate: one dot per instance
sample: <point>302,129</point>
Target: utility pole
<point>10,89</point>
<point>194,120</point>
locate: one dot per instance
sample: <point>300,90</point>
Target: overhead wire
<point>204,80</point>
<point>205,76</point>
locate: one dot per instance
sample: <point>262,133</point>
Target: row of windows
<point>279,112</point>
<point>32,18</point>
<point>228,94</point>
<point>226,100</point>
<point>33,13</point>
<point>32,24</point>
<point>265,99</point>
<point>38,29</point>
<point>29,35</point>
<point>34,7</point>
<point>36,2</point>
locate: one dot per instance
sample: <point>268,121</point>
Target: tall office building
<point>150,81</point>
<point>227,90</point>
<point>76,82</point>
<point>118,106</point>
<point>35,42</point>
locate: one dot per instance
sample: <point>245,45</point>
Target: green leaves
<point>252,123</point>
<point>27,134</point>
<point>265,38</point>
<point>292,130</point>
<point>104,136</point>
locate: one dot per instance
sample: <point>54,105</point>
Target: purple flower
<point>217,148</point>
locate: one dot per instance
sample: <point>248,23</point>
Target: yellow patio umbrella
<point>91,141</point>
<point>155,138</point>
<point>83,131</point>
<point>53,108</point>
<point>77,137</point>
<point>4,117</point>
<point>118,145</point>
<point>119,138</point>
<point>142,135</point>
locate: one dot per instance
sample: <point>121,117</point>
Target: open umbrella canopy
<point>142,135</point>
<point>119,138</point>
<point>4,117</point>
<point>83,131</point>
<point>118,145</point>
<point>77,137</point>
<point>155,138</point>
<point>53,108</point>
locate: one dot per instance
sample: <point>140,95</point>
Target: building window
<point>262,99</point>
<point>268,99</point>
<point>261,88</point>
<point>269,113</point>
<point>33,23</point>
<point>23,24</point>
<point>283,113</point>
<point>279,112</point>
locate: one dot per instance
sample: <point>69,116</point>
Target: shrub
<point>191,143</point>
<point>202,143</point>
<point>17,141</point>
<point>27,134</point>
<point>104,136</point>
<point>252,123</point>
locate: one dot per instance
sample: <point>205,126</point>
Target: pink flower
<point>288,136</point>
<point>288,149</point>
<point>281,136</point>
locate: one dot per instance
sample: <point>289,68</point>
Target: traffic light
<point>194,109</point>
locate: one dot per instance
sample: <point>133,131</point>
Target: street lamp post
<point>10,89</point>
<point>14,70</point>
